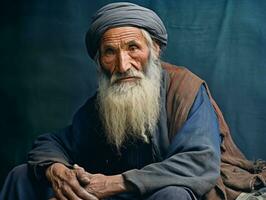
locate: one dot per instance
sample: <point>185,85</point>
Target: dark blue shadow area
<point>46,74</point>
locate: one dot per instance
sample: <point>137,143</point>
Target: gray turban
<point>123,14</point>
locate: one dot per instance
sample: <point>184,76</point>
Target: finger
<point>53,198</point>
<point>81,169</point>
<point>84,180</point>
<point>77,167</point>
<point>83,194</point>
<point>91,197</point>
<point>80,192</point>
<point>83,177</point>
<point>69,193</point>
<point>59,195</point>
<point>57,191</point>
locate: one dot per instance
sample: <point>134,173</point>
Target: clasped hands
<point>76,183</point>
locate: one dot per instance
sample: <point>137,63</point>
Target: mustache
<point>131,73</point>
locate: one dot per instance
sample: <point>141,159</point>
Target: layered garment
<point>189,158</point>
<point>237,174</point>
<point>184,149</point>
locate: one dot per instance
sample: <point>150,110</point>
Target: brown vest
<point>237,173</point>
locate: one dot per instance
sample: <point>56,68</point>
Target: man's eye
<point>133,47</point>
<point>109,51</point>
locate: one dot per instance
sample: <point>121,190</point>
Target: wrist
<point>122,184</point>
<point>49,170</point>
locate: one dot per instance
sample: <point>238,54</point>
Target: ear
<point>156,48</point>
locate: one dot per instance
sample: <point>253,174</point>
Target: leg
<point>167,193</point>
<point>19,185</point>
<point>171,193</point>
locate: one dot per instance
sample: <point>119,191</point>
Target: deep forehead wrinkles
<point>122,35</point>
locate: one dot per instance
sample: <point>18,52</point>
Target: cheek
<point>107,64</point>
<point>143,59</point>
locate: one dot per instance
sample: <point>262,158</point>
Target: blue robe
<point>190,159</point>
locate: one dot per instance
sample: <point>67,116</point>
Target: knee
<point>19,173</point>
<point>20,184</point>
<point>171,192</point>
<point>15,182</point>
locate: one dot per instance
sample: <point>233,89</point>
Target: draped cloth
<point>237,173</point>
<point>124,14</point>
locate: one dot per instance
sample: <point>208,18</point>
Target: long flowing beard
<point>130,109</point>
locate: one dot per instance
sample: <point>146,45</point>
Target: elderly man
<point>150,132</point>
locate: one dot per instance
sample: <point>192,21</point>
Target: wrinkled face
<point>129,85</point>
<point>122,49</point>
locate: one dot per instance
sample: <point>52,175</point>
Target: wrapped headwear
<point>124,14</point>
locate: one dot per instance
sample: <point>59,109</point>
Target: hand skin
<point>65,183</point>
<point>100,185</point>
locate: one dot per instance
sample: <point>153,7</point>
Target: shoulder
<point>180,73</point>
<point>180,80</point>
<point>182,87</point>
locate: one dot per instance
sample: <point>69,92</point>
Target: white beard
<point>130,109</point>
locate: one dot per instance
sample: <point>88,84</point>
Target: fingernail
<point>75,166</point>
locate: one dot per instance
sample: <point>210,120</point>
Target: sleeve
<point>193,159</point>
<point>67,146</point>
<point>51,148</point>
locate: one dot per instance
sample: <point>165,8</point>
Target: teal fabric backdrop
<point>45,73</point>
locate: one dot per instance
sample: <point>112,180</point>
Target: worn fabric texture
<point>237,173</point>
<point>256,195</point>
<point>124,14</point>
<point>46,75</point>
<point>177,163</point>
<point>21,185</point>
<point>181,86</point>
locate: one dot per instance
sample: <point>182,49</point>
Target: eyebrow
<point>109,45</point>
<point>106,46</point>
<point>132,42</point>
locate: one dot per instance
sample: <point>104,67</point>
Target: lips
<point>127,79</point>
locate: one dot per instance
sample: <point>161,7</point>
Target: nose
<point>123,62</point>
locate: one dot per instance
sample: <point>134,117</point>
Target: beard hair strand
<point>131,109</point>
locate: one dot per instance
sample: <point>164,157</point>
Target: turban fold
<point>123,14</point>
